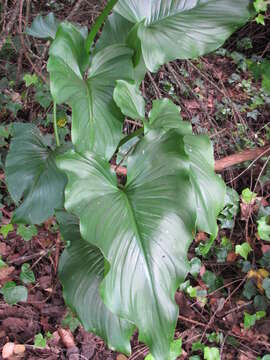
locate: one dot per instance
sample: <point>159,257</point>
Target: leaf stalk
<point>100,20</point>
<point>57,140</point>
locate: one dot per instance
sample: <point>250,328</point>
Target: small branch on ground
<point>224,163</point>
<point>235,159</point>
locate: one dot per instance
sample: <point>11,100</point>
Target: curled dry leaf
<point>67,338</point>
<point>12,351</point>
<point>8,349</point>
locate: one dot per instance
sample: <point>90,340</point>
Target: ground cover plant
<point>133,203</point>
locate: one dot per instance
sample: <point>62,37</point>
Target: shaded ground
<point>220,97</point>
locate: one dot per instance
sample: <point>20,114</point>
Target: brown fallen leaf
<point>5,272</point>
<point>8,349</point>
<point>201,236</point>
<point>19,350</point>
<point>4,249</point>
<point>265,248</point>
<point>232,256</point>
<point>67,338</point>
<point>121,357</point>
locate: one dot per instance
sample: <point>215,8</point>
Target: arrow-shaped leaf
<point>143,230</point>
<point>96,120</point>
<point>182,29</point>
<point>33,177</point>
<point>81,270</point>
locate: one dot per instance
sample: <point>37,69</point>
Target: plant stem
<point>55,125</point>
<point>100,20</point>
<point>138,132</point>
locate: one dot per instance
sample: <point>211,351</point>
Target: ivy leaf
<point>2,263</point>
<point>13,293</point>
<point>212,281</point>
<point>260,5</point>
<point>27,276</point>
<point>32,175</point>
<point>195,266</point>
<point>6,229</point>
<point>250,320</point>
<point>40,341</point>
<point>81,270</point>
<point>138,229</point>
<point>211,353</point>
<point>243,250</point>
<point>71,322</point>
<point>96,120</point>
<point>266,286</point>
<point>5,131</point>
<point>231,208</point>
<point>30,79</point>
<point>43,27</point>
<point>248,196</point>
<point>166,30</point>
<point>27,232</point>
<point>260,303</point>
<point>264,228</point>
<point>250,290</point>
<point>129,99</point>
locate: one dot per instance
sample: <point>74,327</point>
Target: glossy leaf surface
<point>115,31</point>
<point>33,176</point>
<point>129,99</point>
<point>96,120</point>
<point>209,189</point>
<point>81,270</point>
<point>180,29</point>
<point>165,115</point>
<point>144,230</point>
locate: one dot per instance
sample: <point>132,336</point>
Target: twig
<point>75,9</point>
<point>228,161</point>
<point>261,172</point>
<point>16,7</point>
<point>261,154</point>
<point>24,46</point>
<point>25,258</point>
<point>156,89</point>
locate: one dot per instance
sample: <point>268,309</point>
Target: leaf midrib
<point>139,237</point>
<point>178,13</point>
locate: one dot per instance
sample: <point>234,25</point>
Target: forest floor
<point>224,303</point>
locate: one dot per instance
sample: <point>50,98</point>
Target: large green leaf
<point>96,120</point>
<point>33,177</point>
<point>81,270</point>
<point>118,30</point>
<point>209,188</point>
<point>115,31</point>
<point>144,230</point>
<point>165,115</point>
<point>129,99</point>
<point>180,29</point>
